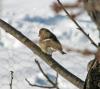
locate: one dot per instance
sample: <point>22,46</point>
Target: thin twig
<point>11,79</point>
<point>44,73</point>
<point>79,27</point>
<point>49,80</point>
<point>38,85</point>
<point>54,85</point>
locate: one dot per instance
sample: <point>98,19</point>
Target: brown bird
<point>48,42</point>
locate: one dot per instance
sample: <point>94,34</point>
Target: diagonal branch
<point>48,59</point>
<point>79,27</point>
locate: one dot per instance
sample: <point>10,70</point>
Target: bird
<point>48,42</point>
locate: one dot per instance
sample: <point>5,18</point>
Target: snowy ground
<point>28,16</point>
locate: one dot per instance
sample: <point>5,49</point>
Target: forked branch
<point>54,84</point>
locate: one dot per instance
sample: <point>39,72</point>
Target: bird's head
<point>44,33</point>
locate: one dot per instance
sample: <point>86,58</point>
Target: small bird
<point>48,42</point>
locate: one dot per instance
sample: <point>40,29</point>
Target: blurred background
<point>28,16</point>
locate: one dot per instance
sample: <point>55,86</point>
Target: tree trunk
<point>93,77</point>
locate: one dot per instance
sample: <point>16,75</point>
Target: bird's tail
<point>62,52</point>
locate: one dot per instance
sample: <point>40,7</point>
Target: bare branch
<point>79,27</point>
<point>11,79</point>
<point>47,77</point>
<point>44,73</point>
<point>37,85</point>
<point>48,59</point>
<point>54,85</point>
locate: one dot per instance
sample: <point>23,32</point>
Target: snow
<point>28,16</point>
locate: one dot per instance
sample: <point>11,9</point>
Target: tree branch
<point>48,59</point>
<point>79,27</point>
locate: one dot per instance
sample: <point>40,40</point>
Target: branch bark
<point>48,59</point>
